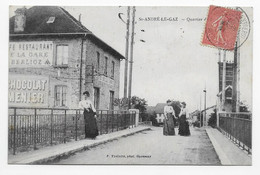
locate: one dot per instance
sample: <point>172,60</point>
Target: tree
<point>177,107</point>
<point>135,102</point>
<point>213,119</point>
<point>139,103</point>
<point>243,107</point>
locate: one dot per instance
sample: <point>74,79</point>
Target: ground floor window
<point>96,97</point>
<point>111,103</point>
<point>60,95</point>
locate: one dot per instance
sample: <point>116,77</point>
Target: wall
<point>70,76</point>
<point>104,83</point>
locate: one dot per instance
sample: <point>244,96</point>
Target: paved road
<point>151,147</point>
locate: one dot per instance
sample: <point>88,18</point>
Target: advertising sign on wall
<point>28,91</point>
<point>30,54</point>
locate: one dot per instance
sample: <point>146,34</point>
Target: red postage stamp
<point>221,27</point>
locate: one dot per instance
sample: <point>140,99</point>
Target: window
<point>113,69</point>
<point>106,60</point>
<point>96,97</point>
<point>62,55</point>
<point>60,95</point>
<point>98,61</point>
<point>51,20</point>
<point>111,104</point>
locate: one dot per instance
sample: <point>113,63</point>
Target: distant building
<point>53,59</point>
<point>228,88</point>
<point>229,74</point>
<point>158,110</point>
<point>228,99</point>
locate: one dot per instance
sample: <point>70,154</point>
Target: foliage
<point>139,103</point>
<point>135,102</point>
<point>213,119</point>
<point>243,108</point>
<point>176,106</point>
<point>153,119</point>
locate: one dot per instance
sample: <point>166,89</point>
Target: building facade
<point>53,59</point>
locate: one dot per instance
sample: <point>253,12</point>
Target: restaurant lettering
<point>30,54</point>
<point>28,90</point>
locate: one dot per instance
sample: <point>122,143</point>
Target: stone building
<point>53,58</point>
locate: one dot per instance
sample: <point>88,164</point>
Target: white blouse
<point>168,109</point>
<point>86,104</point>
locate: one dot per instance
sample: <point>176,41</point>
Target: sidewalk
<point>50,153</point>
<point>228,152</point>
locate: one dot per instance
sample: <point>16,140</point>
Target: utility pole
<point>223,81</point>
<point>238,70</point>
<point>238,74</point>
<point>200,113</point>
<point>126,52</point>
<point>205,106</point>
<point>131,58</point>
<point>234,83</point>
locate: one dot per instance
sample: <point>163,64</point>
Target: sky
<point>171,63</point>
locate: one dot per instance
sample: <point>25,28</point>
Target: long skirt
<point>168,125</point>
<point>184,129</point>
<point>91,129</point>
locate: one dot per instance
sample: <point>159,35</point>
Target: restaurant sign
<point>28,91</point>
<point>30,54</point>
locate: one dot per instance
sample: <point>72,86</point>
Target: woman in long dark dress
<point>184,129</point>
<point>168,123</point>
<point>91,129</point>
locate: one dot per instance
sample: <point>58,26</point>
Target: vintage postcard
<point>130,85</point>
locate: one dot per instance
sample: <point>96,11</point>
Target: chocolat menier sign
<point>28,91</point>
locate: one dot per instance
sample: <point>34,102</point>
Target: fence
<point>32,128</point>
<point>238,127</point>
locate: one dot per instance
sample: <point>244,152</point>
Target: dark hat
<point>168,101</point>
<point>183,103</point>
<point>86,93</point>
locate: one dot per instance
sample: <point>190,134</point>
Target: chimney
<point>20,19</point>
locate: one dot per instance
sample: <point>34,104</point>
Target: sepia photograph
<point>130,85</point>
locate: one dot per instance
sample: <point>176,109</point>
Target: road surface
<point>151,147</point>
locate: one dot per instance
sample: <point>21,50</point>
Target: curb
<point>221,155</point>
<point>69,153</point>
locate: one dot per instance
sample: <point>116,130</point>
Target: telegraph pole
<point>205,106</point>
<point>223,81</point>
<point>234,83</point>
<point>131,58</point>
<point>200,112</point>
<point>238,70</point>
<point>238,75</point>
<point>126,51</point>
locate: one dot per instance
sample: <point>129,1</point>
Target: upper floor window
<point>98,61</point>
<point>106,61</point>
<point>62,55</point>
<point>113,70</point>
<point>60,94</point>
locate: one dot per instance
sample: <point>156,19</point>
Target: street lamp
<point>205,106</point>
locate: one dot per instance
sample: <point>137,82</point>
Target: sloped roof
<point>150,109</point>
<point>37,17</point>
<point>64,24</point>
<point>228,87</point>
<point>159,108</point>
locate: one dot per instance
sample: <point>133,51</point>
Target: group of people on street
<point>91,128</point>
<point>170,119</point>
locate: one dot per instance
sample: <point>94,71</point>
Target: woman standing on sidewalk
<point>168,123</point>
<point>184,129</point>
<point>91,129</point>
